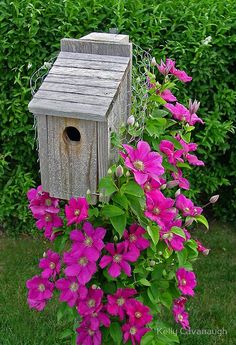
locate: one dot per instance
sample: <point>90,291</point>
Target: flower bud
<point>206,251</point>
<point>193,106</point>
<point>131,120</point>
<point>152,263</point>
<point>94,287</point>
<point>44,254</point>
<point>127,174</point>
<point>189,222</point>
<point>172,184</point>
<point>88,192</point>
<point>115,238</point>
<point>160,253</point>
<point>214,199</point>
<point>119,171</point>
<point>178,192</point>
<point>109,171</point>
<point>153,62</point>
<point>136,124</point>
<point>163,186</point>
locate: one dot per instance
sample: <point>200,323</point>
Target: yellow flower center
<point>147,187</point>
<point>183,282</point>
<point>133,330</point>
<point>186,209</point>
<point>132,238</point>
<point>180,317</point>
<point>91,332</point>
<point>41,287</point>
<point>77,213</point>
<point>156,211</point>
<point>83,261</point>
<point>88,241</point>
<point>138,314</point>
<point>139,165</point>
<point>52,265</point>
<point>48,202</point>
<point>48,218</point>
<point>117,258</point>
<point>91,303</point>
<point>74,287</point>
<point>120,301</point>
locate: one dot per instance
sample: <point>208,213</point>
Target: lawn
<point>213,309</point>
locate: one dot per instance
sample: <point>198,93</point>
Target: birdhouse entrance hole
<point>71,134</point>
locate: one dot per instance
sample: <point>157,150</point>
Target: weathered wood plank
<point>72,165</point>
<point>39,106</point>
<point>42,132</point>
<point>91,81</point>
<point>73,97</point>
<point>106,37</point>
<point>92,47</point>
<point>79,89</point>
<point>94,57</point>
<point>86,72</point>
<point>99,65</point>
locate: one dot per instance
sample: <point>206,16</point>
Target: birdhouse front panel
<point>81,101</point>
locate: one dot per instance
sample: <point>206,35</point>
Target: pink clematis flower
<point>167,95</point>
<point>187,206</point>
<point>40,290</point>
<point>205,251</point>
<point>116,304</point>
<point>50,264</point>
<point>49,221</point>
<point>41,202</point>
<point>189,147</point>
<point>169,68</point>
<point>181,316</point>
<point>134,238</point>
<point>182,182</point>
<point>142,162</point>
<point>139,314</point>
<point>186,281</point>
<point>97,319</point>
<point>160,209</point>
<point>92,303</point>
<point>79,265</point>
<point>90,241</point>
<point>134,333</point>
<point>77,210</point>
<point>181,113</point>
<point>71,290</point>
<point>172,240</point>
<point>118,259</point>
<point>151,184</point>
<point>88,336</point>
<point>181,301</point>
<point>173,156</point>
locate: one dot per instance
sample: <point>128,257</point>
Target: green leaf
<point>60,242</point>
<point>121,200</point>
<point>116,332</point>
<point>132,188</point>
<point>119,223</point>
<point>144,282</point>
<point>189,128</point>
<point>174,141</point>
<point>147,338</point>
<point>93,212</point>
<point>66,333</point>
<point>203,220</point>
<point>157,113</point>
<point>178,231</point>
<point>108,185</point>
<point>166,299</point>
<point>182,257</point>
<point>183,165</point>
<point>153,232</point>
<point>112,211</point>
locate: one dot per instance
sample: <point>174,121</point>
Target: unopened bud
<point>119,171</point>
<point>94,287</point>
<point>206,251</point>
<point>172,184</point>
<point>163,186</point>
<point>177,193</point>
<point>214,199</point>
<point>115,238</point>
<point>189,222</point>
<point>127,174</point>
<point>88,192</point>
<point>193,106</point>
<point>44,254</point>
<point>160,253</point>
<point>131,120</point>
<point>152,263</point>
<point>153,62</point>
<point>109,171</point>
<point>136,124</point>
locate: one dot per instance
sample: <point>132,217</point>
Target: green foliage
<point>198,34</point>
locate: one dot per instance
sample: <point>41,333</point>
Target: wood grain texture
<point>81,72</point>
<point>94,57</point>
<point>81,81</point>
<point>106,37</point>
<point>42,131</point>
<point>87,64</point>
<point>72,97</point>
<point>78,89</point>
<point>72,165</point>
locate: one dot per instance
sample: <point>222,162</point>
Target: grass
<point>213,308</point>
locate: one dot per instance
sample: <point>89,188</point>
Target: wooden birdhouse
<point>85,97</point>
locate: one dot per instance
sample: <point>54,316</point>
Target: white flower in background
<point>207,40</point>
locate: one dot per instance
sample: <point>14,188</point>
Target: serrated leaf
<point>153,232</point>
<point>201,219</point>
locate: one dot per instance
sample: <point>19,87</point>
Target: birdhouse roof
<point>79,85</point>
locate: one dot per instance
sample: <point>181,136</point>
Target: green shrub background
<point>30,33</point>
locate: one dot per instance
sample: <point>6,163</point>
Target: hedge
<point>198,34</point>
